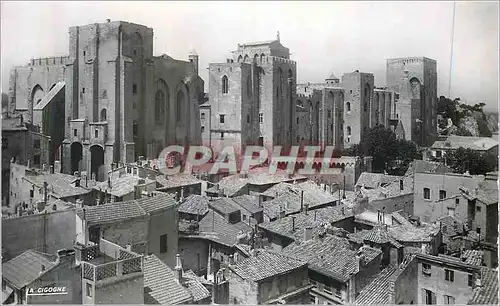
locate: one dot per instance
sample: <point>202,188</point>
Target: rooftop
<point>121,186</point>
<point>487,191</point>
<point>165,287</point>
<point>378,235</point>
<point>377,291</point>
<point>474,143</point>
<point>216,228</point>
<point>120,211</point>
<point>266,264</point>
<point>313,194</point>
<point>375,180</point>
<point>25,268</point>
<point>248,202</point>
<point>177,180</point>
<point>13,124</point>
<point>224,206</point>
<point>194,204</point>
<point>314,219</point>
<point>421,166</point>
<point>330,255</point>
<point>59,184</point>
<point>487,294</point>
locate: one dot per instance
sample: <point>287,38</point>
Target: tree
<point>462,160</point>
<point>389,154</point>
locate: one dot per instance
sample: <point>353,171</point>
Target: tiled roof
<point>59,184</point>
<point>377,292</point>
<point>266,264</point>
<point>111,212</point>
<point>375,180</point>
<point>313,194</point>
<point>248,202</point>
<point>22,270</point>
<point>165,288</point>
<point>475,143</point>
<point>177,180</point>
<point>473,257</point>
<point>121,186</point>
<point>228,186</point>
<point>224,205</point>
<point>195,287</point>
<point>194,204</point>
<point>117,211</point>
<point>487,191</point>
<point>216,228</point>
<point>155,203</point>
<point>391,188</point>
<point>487,294</point>
<point>378,235</point>
<point>403,233</point>
<point>314,219</point>
<point>421,166</point>
<point>330,255</point>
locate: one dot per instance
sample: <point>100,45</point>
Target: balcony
<point>107,260</point>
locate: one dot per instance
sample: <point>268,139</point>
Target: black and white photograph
<point>250,152</point>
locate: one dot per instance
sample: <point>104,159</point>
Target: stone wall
<point>163,223</point>
<point>27,232</point>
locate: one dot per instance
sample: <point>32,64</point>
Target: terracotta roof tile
<point>315,219</point>
<point>487,294</point>
<point>194,204</point>
<point>330,255</point>
<point>25,268</point>
<point>165,288</point>
<point>266,264</point>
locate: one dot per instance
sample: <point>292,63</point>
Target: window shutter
<point>433,298</point>
<point>424,301</point>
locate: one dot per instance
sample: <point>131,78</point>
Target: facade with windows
<point>252,97</point>
<point>445,280</point>
<point>120,101</point>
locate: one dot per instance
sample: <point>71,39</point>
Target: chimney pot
<point>307,233</point>
<point>293,224</point>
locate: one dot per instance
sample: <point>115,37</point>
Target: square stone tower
<point>276,79</point>
<point>358,89</point>
<point>415,78</point>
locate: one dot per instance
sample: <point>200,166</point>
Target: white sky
<point>323,37</point>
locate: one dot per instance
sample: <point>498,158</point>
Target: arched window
<point>225,85</point>
<point>255,58</point>
<point>348,131</point>
<point>103,115</point>
<point>159,106</point>
<point>281,81</point>
<point>161,101</point>
<point>348,106</point>
<point>262,56</point>
<point>245,60</point>
<point>180,104</point>
<point>240,59</point>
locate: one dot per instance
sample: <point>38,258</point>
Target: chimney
<point>28,164</point>
<point>79,203</point>
<point>42,270</point>
<point>231,259</point>
<point>293,224</point>
<point>260,201</point>
<point>178,268</point>
<point>306,208</point>
<point>307,233</point>
<point>282,212</point>
<point>44,168</point>
<point>343,211</point>
<point>51,169</point>
<point>301,200</point>
<point>108,20</point>
<point>182,194</point>
<point>66,257</point>
<point>401,186</point>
